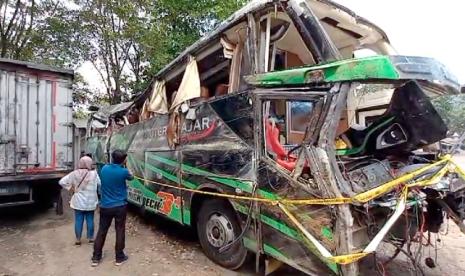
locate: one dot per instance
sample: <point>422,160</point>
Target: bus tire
<point>217,226</point>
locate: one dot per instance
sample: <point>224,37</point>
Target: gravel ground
<point>41,243</point>
<point>37,242</point>
<point>34,241</point>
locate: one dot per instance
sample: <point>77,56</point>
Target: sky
<point>414,27</point>
<point>420,27</point>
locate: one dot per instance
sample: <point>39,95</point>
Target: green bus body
<point>222,144</point>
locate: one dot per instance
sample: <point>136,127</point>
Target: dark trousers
<point>106,216</point>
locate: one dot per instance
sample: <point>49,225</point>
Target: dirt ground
<point>35,241</point>
<point>38,242</point>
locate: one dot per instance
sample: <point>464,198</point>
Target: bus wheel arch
<point>217,224</point>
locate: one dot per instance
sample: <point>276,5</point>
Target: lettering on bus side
<point>196,125</point>
<point>135,196</point>
<point>163,203</point>
<point>187,127</point>
<point>154,204</point>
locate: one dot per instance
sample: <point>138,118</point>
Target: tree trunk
<point>117,92</point>
<point>4,44</point>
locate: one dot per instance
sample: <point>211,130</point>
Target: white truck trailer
<point>36,131</point>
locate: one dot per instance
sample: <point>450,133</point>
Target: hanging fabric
<point>190,85</point>
<point>157,102</point>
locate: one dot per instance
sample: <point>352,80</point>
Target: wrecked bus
<point>266,138</point>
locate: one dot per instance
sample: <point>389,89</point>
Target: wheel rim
<point>219,230</point>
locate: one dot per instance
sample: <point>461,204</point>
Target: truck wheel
<point>217,226</point>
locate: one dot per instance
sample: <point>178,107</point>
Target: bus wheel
<point>217,226</point>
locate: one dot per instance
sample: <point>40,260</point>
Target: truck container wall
<point>35,120</point>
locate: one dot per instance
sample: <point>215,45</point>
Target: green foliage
<point>176,24</point>
<point>126,41</point>
<point>452,110</point>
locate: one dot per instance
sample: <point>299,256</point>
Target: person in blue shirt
<point>113,203</point>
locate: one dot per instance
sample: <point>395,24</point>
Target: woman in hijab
<point>83,183</point>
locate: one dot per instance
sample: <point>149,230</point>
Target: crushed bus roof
<point>239,15</point>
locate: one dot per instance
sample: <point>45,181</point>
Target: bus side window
<point>285,123</point>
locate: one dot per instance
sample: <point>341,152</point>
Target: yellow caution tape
<point>323,201</point>
<point>458,169</point>
<point>343,259</point>
<point>348,259</point>
<point>389,186</point>
<point>360,198</point>
<point>237,197</point>
<point>370,248</point>
<point>431,181</point>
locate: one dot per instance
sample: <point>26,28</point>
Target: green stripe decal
<point>280,226</point>
<point>171,177</point>
<point>365,141</point>
<point>375,67</point>
<point>245,186</point>
<point>290,232</point>
<point>167,175</point>
<point>326,232</point>
<point>184,166</point>
<point>175,213</point>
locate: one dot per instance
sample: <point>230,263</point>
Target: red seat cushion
<point>273,145</point>
<point>272,139</point>
<point>288,165</point>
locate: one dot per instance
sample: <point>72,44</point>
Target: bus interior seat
<point>276,148</point>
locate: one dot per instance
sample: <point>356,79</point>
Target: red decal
<point>54,93</point>
<point>54,156</point>
<point>38,170</point>
<point>52,166</point>
<point>54,123</point>
<point>167,202</point>
<point>46,76</point>
<point>199,135</point>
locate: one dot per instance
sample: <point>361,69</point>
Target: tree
<point>16,23</point>
<point>38,31</point>
<point>107,30</point>
<point>126,41</point>
<point>129,41</point>
<point>452,110</point>
<point>58,39</point>
<point>175,25</point>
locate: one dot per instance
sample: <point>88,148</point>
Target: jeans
<point>79,217</point>
<point>106,216</point>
